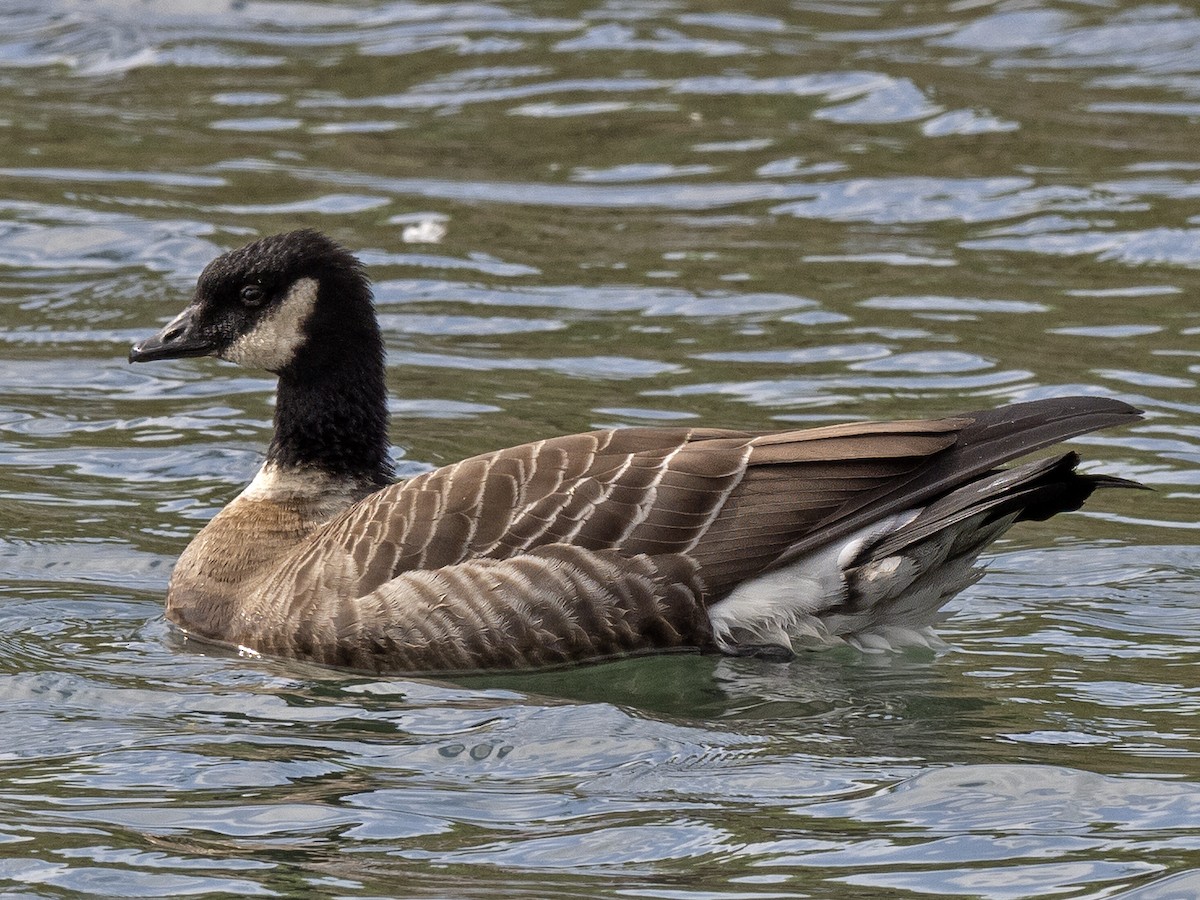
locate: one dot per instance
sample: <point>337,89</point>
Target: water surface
<point>584,214</point>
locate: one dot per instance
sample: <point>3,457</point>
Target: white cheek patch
<point>273,342</point>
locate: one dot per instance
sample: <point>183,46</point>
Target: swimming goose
<point>583,547</point>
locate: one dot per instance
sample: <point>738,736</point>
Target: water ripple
<point>633,213</point>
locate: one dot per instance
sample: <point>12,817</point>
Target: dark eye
<point>252,295</point>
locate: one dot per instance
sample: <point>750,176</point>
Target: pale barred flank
<point>491,614</point>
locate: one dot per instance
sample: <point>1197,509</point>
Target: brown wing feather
<point>591,490</point>
<point>734,502</point>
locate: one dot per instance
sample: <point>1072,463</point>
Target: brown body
<point>577,548</point>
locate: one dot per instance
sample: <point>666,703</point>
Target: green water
<point>577,215</point>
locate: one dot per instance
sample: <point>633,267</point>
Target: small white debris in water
<point>248,652</point>
<point>428,231</point>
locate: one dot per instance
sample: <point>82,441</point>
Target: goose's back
<point>733,501</point>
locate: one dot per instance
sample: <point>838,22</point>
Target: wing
<point>590,490</point>
<point>734,502</point>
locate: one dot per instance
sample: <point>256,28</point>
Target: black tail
<point>988,439</point>
<point>1033,492</point>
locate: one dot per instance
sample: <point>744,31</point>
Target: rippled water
<point>581,214</point>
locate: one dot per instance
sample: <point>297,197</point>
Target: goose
<point>583,547</point>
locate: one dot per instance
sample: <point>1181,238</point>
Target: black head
<point>261,305</point>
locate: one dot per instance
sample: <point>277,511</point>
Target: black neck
<point>331,414</point>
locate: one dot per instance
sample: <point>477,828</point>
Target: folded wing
<point>705,509</point>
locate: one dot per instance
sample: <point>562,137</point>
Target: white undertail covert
<point>843,593</point>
